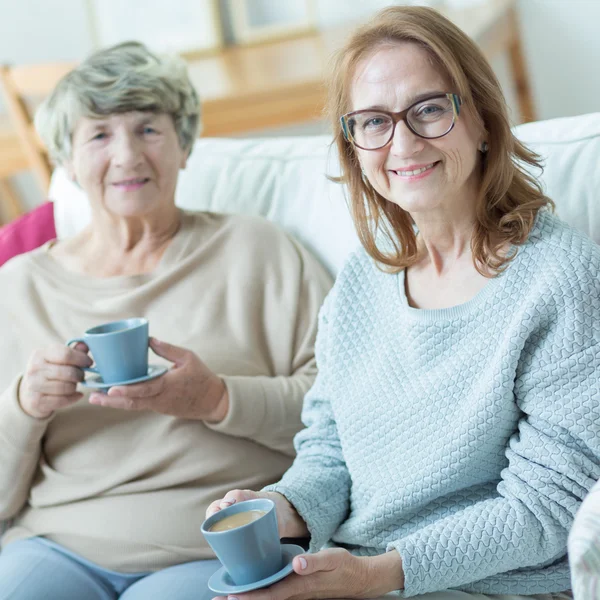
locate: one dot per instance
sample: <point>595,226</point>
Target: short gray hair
<point>123,78</point>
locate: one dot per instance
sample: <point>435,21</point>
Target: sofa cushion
<point>27,232</point>
<point>284,179</point>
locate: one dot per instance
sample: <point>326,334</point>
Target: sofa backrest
<point>285,180</point>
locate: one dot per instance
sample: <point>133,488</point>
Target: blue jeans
<point>36,569</point>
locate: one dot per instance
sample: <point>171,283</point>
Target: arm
<point>267,409</point>
<point>553,460</point>
<point>20,437</point>
<point>318,483</point>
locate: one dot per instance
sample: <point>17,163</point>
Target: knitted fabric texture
<point>464,438</point>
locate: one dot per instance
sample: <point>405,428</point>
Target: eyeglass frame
<point>455,100</point>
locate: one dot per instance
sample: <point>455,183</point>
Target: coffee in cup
<point>245,538</point>
<point>237,520</point>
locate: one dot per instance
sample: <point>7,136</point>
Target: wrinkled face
<point>127,163</point>
<point>420,175</point>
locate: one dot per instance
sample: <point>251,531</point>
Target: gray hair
<point>123,78</point>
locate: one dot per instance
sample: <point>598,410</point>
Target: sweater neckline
<point>44,261</point>
<point>450,313</point>
<point>431,315</point>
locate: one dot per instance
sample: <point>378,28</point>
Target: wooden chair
<point>12,161</point>
<point>24,87</point>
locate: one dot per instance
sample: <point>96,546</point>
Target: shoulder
<point>20,269</point>
<point>259,244</point>
<point>361,281</point>
<point>562,244</point>
<point>565,257</point>
<point>254,231</point>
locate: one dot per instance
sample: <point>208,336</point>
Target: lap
<point>34,569</point>
<point>187,581</point>
<point>31,571</point>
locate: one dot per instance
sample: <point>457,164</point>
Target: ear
<point>184,159</point>
<point>70,169</point>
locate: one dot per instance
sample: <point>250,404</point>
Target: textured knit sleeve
<point>20,437</point>
<point>553,457</point>
<point>318,483</point>
<point>267,409</point>
<point>584,548</point>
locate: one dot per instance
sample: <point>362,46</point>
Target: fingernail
<point>303,563</point>
<point>227,503</point>
<point>232,598</point>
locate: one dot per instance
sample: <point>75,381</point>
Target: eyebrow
<point>143,120</point>
<point>412,101</point>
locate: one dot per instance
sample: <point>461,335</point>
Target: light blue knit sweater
<point>465,438</point>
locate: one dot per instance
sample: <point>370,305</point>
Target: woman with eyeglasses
<point>454,426</point>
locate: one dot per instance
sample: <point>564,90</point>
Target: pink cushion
<point>27,232</point>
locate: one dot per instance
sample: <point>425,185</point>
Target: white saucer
<point>221,582</point>
<point>94,380</point>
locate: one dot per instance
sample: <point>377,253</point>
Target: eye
<point>429,109</point>
<point>376,122</point>
<point>99,136</point>
<point>148,130</point>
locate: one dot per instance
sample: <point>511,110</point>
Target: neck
<point>444,241</point>
<point>112,246</point>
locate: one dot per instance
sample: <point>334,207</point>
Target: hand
<point>51,378</point>
<point>289,522</point>
<point>189,390</point>
<point>334,573</point>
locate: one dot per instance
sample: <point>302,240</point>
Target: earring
<point>484,147</point>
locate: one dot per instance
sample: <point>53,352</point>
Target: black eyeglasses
<point>430,118</point>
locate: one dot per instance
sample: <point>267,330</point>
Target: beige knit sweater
<point>128,490</point>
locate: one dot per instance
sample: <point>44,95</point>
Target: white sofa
<point>284,179</point>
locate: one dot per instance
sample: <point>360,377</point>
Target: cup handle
<point>88,369</point>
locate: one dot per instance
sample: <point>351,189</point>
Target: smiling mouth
<point>129,182</point>
<point>413,172</point>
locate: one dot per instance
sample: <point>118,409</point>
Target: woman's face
<point>127,163</point>
<point>392,79</point>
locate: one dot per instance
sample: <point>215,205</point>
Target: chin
<point>416,203</point>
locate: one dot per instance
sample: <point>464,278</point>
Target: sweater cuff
<point>247,407</point>
<point>19,429</point>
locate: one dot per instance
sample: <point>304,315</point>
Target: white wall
<point>561,38</point>
<point>562,46</point>
<point>561,41</point>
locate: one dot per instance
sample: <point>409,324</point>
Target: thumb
<point>306,564</point>
<point>174,354</point>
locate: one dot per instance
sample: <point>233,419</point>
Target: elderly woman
<point>106,492</point>
<point>454,426</point>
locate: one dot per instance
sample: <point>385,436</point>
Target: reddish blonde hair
<point>509,197</point>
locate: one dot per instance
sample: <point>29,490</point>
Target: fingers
<point>120,402</point>
<point>230,498</point>
<point>174,354</point>
<point>63,373</point>
<point>140,390</point>
<point>63,355</point>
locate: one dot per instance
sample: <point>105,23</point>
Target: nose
<point>127,150</point>
<point>404,141</point>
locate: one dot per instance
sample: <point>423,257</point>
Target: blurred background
<point>260,65</point>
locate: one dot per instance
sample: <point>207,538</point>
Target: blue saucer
<point>94,380</point>
<point>221,582</point>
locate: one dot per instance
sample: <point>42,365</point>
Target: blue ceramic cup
<point>250,552</point>
<point>119,349</point>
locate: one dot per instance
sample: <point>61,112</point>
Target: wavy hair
<point>509,196</point>
<point>123,78</point>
